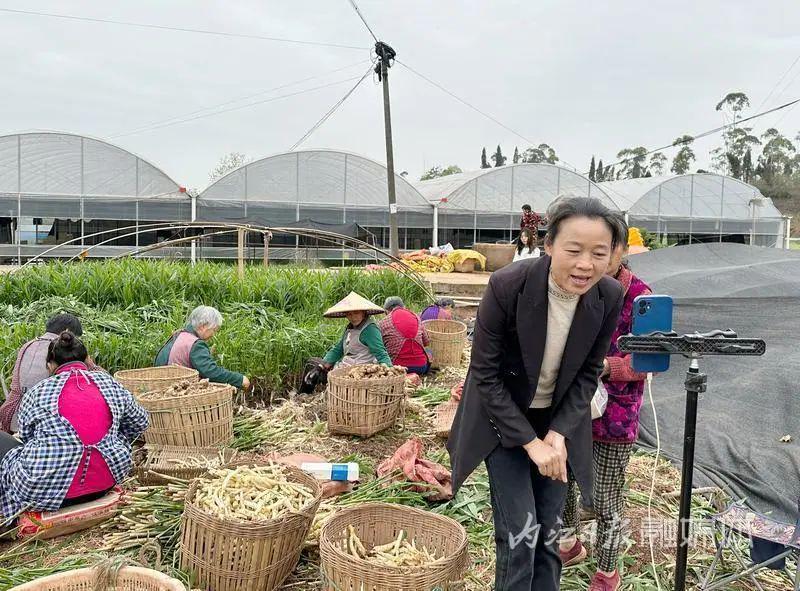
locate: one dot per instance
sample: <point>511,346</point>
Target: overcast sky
<point>585,77</point>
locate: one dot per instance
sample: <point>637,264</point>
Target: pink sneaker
<point>601,582</point>
<point>574,555</point>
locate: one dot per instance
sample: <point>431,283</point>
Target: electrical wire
<point>707,133</point>
<point>653,480</point>
<point>363,20</point>
<point>474,108</point>
<point>238,99</point>
<point>331,111</point>
<point>179,29</point>
<point>774,88</point>
<point>236,108</point>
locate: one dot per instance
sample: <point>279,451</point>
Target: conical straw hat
<point>353,303</point>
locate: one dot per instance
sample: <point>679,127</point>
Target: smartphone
<point>651,313</point>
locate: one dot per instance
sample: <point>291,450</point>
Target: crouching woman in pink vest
<point>76,430</point>
<point>189,348</point>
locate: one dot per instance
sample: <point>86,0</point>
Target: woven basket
<point>204,419</point>
<point>162,460</point>
<point>467,266</point>
<point>448,338</point>
<point>443,421</point>
<point>363,406</point>
<point>139,381</point>
<point>228,555</point>
<point>380,523</point>
<point>130,578</point>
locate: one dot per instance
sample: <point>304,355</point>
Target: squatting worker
<point>361,340</point>
<point>31,367</point>
<point>76,430</point>
<point>189,347</point>
<point>542,331</point>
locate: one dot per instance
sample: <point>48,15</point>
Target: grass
<point>272,318</point>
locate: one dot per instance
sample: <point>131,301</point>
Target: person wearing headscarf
<point>441,310</point>
<point>404,336</point>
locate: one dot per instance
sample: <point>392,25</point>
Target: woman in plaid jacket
<point>614,434</point>
<point>76,430</point>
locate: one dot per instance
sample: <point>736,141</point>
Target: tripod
<point>693,346</point>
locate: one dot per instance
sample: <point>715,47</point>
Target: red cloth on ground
<point>82,404</point>
<point>408,459</point>
<point>404,338</point>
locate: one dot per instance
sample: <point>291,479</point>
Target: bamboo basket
<point>130,578</point>
<point>228,555</point>
<point>445,413</point>
<point>204,419</point>
<point>448,339</point>
<point>162,460</point>
<point>467,266</point>
<point>380,523</point>
<point>363,407</point>
<point>139,381</point>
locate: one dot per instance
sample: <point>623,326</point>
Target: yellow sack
<point>461,255</point>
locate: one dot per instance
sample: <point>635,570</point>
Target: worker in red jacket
<point>404,337</point>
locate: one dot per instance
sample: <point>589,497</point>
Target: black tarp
<point>751,402</point>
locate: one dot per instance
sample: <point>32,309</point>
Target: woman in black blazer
<point>542,332</point>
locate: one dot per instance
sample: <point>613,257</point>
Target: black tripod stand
<point>693,346</point>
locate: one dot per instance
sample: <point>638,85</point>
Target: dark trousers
<point>7,443</point>
<point>527,518</point>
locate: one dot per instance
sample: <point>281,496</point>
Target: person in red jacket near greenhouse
<point>404,336</point>
<point>188,348</point>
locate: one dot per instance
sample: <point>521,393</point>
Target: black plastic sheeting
<point>751,402</point>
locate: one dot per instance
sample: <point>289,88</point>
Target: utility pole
<point>386,56</point>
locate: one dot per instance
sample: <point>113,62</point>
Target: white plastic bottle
<point>327,471</point>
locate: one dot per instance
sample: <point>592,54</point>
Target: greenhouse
<point>321,186</point>
<point>485,205</point>
<point>701,207</point>
<point>60,187</point>
<point>55,187</point>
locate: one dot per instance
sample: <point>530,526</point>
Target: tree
<point>592,170</point>
<point>484,161</point>
<point>658,162</point>
<point>747,166</point>
<point>737,141</point>
<point>515,160</point>
<point>633,162</point>
<point>438,171</point>
<point>498,158</point>
<point>226,164</point>
<point>599,174</point>
<point>542,153</point>
<point>685,157</point>
<point>777,154</point>
<point>735,103</point>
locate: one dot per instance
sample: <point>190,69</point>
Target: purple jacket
<point>620,422</point>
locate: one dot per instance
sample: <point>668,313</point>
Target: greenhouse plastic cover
<point>507,188</point>
<point>751,402</point>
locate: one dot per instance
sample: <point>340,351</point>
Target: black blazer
<point>507,351</point>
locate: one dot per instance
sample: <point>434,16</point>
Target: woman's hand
<point>544,456</point>
<point>559,446</point>
<point>245,384</point>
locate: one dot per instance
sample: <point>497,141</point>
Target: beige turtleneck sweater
<point>561,307</point>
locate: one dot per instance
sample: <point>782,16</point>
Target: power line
<point>707,133</point>
<point>237,99</point>
<point>774,88</point>
<point>331,111</point>
<point>363,20</point>
<point>247,105</point>
<point>179,29</point>
<point>474,108</point>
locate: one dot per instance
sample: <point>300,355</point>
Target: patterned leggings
<point>610,461</point>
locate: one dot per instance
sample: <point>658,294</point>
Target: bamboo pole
<point>240,252</point>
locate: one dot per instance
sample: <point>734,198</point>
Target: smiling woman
<point>542,332</point>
